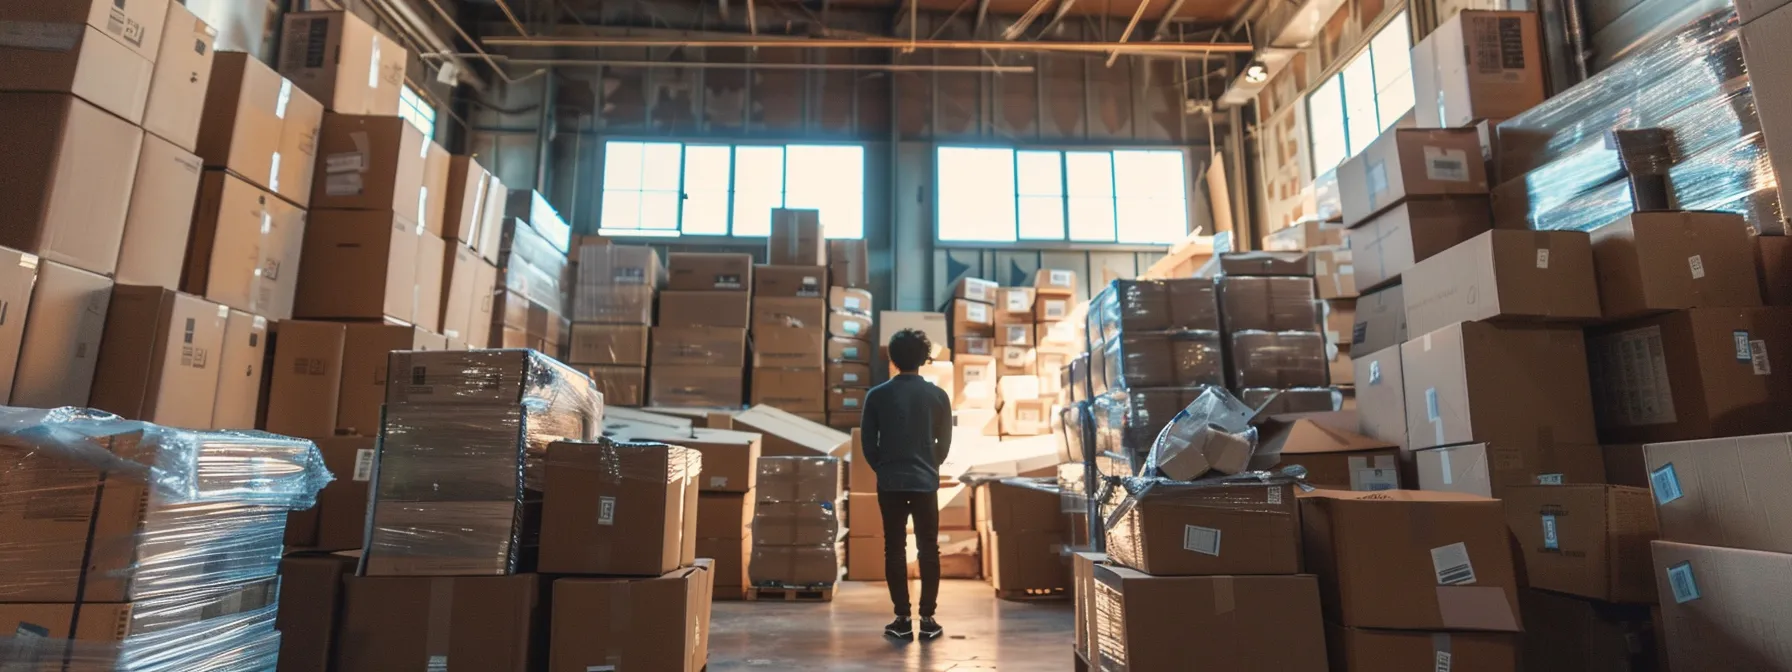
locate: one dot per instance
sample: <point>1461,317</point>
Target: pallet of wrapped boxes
<point>796,530</point>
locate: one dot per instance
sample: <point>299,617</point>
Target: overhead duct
<point>1285,30</point>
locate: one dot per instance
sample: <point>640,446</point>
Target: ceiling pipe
<point>437,5</point>
<point>1163,25</point>
<point>512,16</point>
<point>1146,48</point>
<point>1132,25</point>
<point>706,65</point>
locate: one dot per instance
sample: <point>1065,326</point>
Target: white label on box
<point>976,291</point>
<point>1443,662</point>
<point>1017,302</point>
<point>1685,587</point>
<point>850,402</point>
<point>606,510</point>
<point>1056,309</point>
<point>1374,373</point>
<point>373,68</point>
<point>285,98</point>
<point>437,664</point>
<point>849,377</point>
<point>1452,565</point>
<point>1740,341</point>
<point>1758,351</point>
<point>1446,165</point>
<point>40,36</point>
<point>1698,266</point>
<point>1543,258</point>
<point>1060,278</point>
<point>600,668</point>
<point>1203,540</point>
<point>1550,540</point>
<point>718,481</point>
<point>1017,335</point>
<point>1374,480</point>
<point>28,261</point>
<point>274,172</point>
<point>363,465</point>
<point>1550,479</point>
<point>852,327</point>
<point>1274,496</point>
<point>977,312</point>
<point>343,184</point>
<point>1666,484</point>
<point>852,303</point>
<point>1642,394</point>
<point>850,352</point>
<point>345,162</point>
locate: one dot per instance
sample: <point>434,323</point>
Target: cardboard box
<point>1083,588</point>
<point>1268,304</point>
<point>61,340</point>
<point>1478,65</point>
<point>1334,272</point>
<point>588,510</point>
<point>1394,241</point>
<point>1017,361</point>
<point>1242,622</point>
<point>699,346</point>
<point>1475,381</point>
<point>1018,505</point>
<point>245,247</point>
<point>1411,560</point>
<point>696,386</point>
<point>620,385</point>
<point>788,479</point>
<point>1015,302</point>
<point>1707,491</point>
<point>1278,360</point>
<point>68,179</point>
<point>848,264</point>
<point>697,272</point>
<point>726,515</point>
<point>624,344</point>
<point>305,378</point>
<point>849,300</point>
<point>491,231</point>
<point>100,53</point>
<point>849,374</point>
<point>865,559</point>
<point>731,556</point>
<point>789,332</point>
<point>463,206</point>
<point>975,289</point>
<point>1359,650</point>
<point>892,322</point>
<point>1333,458</point>
<point>343,62</point>
<point>360,265</point>
<point>240,371</point>
<point>310,607</point>
<point>1510,276</point>
<point>432,253</point>
<point>435,190</point>
<point>845,324</point>
<point>1051,308</point>
<point>1489,469</point>
<point>792,281</point>
<point>1626,465</point>
<point>159,357</point>
<point>788,434</point>
<point>972,318</point>
<point>1267,264</point>
<point>183,72</point>
<point>1054,281</point>
<point>485,289</point>
<point>1380,321</point>
<point>796,524</point>
<point>1015,335</point>
<point>848,350</point>
<point>18,277</point>
<point>370,163</point>
<point>259,127</point>
<point>1657,261</point>
<point>793,390</point>
<point>1721,609</point>
<point>1567,634</point>
<point>1692,374</point>
<point>1381,396</point>
<point>794,565</point>
<point>163,194</point>
<point>1026,417</point>
<point>1027,562</point>
<point>1410,162</point>
<point>366,352</point>
<point>1304,235</point>
<point>341,512</point>
<point>1198,531</point>
<point>404,623</point>
<point>865,518</point>
<point>668,622</point>
<point>973,346</point>
<point>460,271</point>
<point>796,239</point>
<point>1586,540</point>
<point>1773,255</point>
<point>846,399</point>
<point>706,309</point>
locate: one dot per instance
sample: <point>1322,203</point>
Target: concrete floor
<point>846,635</point>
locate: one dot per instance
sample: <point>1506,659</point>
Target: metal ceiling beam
<point>1026,20</point>
<point>512,16</point>
<point>1063,11</point>
<point>1137,15</point>
<point>711,65</point>
<point>1160,48</point>
<point>1163,24</point>
<point>982,15</point>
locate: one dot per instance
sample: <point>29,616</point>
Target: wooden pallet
<point>790,594</point>
<point>1033,594</point>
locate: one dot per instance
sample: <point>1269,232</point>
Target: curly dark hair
<point>910,349</point>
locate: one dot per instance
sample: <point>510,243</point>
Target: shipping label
<point>1451,563</point>
<point>364,465</point>
<point>1683,583</point>
<point>1203,540</point>
<point>1666,484</point>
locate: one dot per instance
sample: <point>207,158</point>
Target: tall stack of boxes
<point>850,328</point>
<point>1022,532</point>
<point>613,318</point>
<point>977,360</point>
<point>1057,338</point>
<point>699,351</point>
<point>1334,277</point>
<point>1154,345</point>
<point>534,275</point>
<point>796,524</point>
<point>864,519</point>
<point>791,321</point>
<point>1274,332</point>
<point>469,278</point>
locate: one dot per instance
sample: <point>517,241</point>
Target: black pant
<point>897,507</point>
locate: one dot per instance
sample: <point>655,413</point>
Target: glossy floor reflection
<point>982,633</point>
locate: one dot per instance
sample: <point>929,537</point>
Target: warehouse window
<point>999,195</point>
<point>418,111</point>
<point>707,189</point>
<point>1349,110</point>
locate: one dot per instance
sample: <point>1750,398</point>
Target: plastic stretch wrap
<point>517,376</point>
<point>245,641</point>
<point>798,479</point>
<point>1270,401</point>
<point>1074,432</point>
<point>1625,152</point>
<point>1279,359</point>
<point>794,566</point>
<point>1212,432</point>
<point>1603,205</point>
<point>1735,177</point>
<point>1194,303</point>
<point>1143,306</point>
<point>1073,482</point>
<point>1269,303</point>
<point>1128,421</point>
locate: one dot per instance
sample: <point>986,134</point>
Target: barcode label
<point>1740,341</point>
<point>1203,540</point>
<point>1550,541</point>
<point>1697,264</point>
<point>1684,585</point>
<point>1452,565</point>
<point>976,313</point>
<point>606,510</point>
<point>1549,479</point>
<point>1758,358</point>
<point>1443,661</point>
<point>1275,496</point>
<point>1374,373</point>
<point>1666,484</point>
<point>1446,165</point>
<point>1060,278</point>
<point>437,664</point>
<point>1543,258</point>
<point>1017,302</point>
<point>364,465</point>
<point>718,481</point>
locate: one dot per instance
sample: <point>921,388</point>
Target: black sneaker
<point>931,629</point>
<point>901,628</point>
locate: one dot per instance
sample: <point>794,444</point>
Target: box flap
<point>785,432</point>
<point>1306,436</point>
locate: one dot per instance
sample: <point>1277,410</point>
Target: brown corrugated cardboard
<point>1083,587</point>
<point>491,229</point>
<point>1238,623</point>
<point>366,353</point>
<point>796,239</point>
<point>61,340</point>
<point>1304,235</point>
<point>245,247</point>
<point>67,179</point>
<point>426,290</point>
<point>864,517</point>
<point>621,385</point>
<point>845,324</point>
<point>1390,243</point>
<point>161,213</point>
<point>1478,65</point>
<point>18,277</point>
<point>1626,465</point>
<point>800,281</point>
<point>107,64</point>
<point>1015,302</point>
<point>698,271</point>
<point>865,559</point>
<point>1487,470</point>
<point>1334,271</point>
<point>1658,261</point>
<point>1405,163</point>
<point>485,623</point>
<point>624,344</point>
<point>1381,396</point>
<point>787,434</point>
<point>696,386</point>
<point>1338,320</point>
<point>795,524</point>
<point>860,476</point>
<point>793,390</point>
<point>1195,531</point>
<point>706,309</point>
<point>600,495</point>
<point>666,621</point>
<point>1027,561</point>
<point>850,374</point>
<point>1586,540</point>
<point>1511,276</point>
<point>1411,560</point>
<point>183,72</point>
<point>849,299</point>
<point>794,565</point>
<point>1692,374</point>
<point>730,458</point>
<point>159,357</point>
<point>359,265</point>
<point>975,289</point>
<point>1722,609</point>
<point>1380,321</point>
<point>239,371</point>
<point>1566,634</point>
<point>460,270</point>
<point>847,264</point>
<point>341,511</point>
<point>370,163</point>
<point>1773,256</point>
<point>1362,650</point>
<point>789,332</point>
<point>1051,308</point>
<point>731,556</point>
<point>846,399</point>
<point>1503,384</point>
<point>1015,335</point>
<point>463,207</point>
<point>1711,492</point>
<point>260,127</point>
<point>485,287</point>
<point>1055,281</point>
<point>1269,303</point>
<point>892,322</point>
<point>343,62</point>
<point>782,479</point>
<point>1279,360</point>
<point>699,346</point>
<point>1267,263</point>
<point>311,593</point>
<point>848,350</point>
<point>435,190</point>
<point>1332,457</point>
<point>305,378</point>
<point>1018,506</point>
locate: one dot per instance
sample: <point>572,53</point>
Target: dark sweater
<point>906,429</point>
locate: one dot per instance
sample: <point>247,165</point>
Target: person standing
<point>906,429</point>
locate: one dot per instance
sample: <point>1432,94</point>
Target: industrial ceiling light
<point>1257,73</point>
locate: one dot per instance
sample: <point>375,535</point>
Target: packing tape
<point>621,608</point>
<point>1224,597</point>
<point>1443,461</point>
<point>1440,651</point>
<point>441,619</point>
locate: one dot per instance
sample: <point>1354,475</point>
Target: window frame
<point>678,236</point>
<point>1065,243</point>
<point>1398,20</point>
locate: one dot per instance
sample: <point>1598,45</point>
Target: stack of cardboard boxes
<point>1153,346</point>
<point>1024,538</point>
<point>1334,275</point>
<point>1274,336</point>
<point>699,351</point>
<point>850,330</point>
<point>791,320</point>
<point>960,539</point>
<point>977,365</point>
<point>796,524</point>
<point>613,318</point>
<point>864,519</point>
<point>534,275</point>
